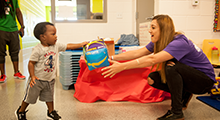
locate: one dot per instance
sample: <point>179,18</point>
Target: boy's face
<point>49,37</point>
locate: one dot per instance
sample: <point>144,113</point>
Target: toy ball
<point>96,54</point>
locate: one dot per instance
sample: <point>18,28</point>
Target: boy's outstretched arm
<point>31,72</point>
<point>72,46</point>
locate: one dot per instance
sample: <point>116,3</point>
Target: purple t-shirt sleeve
<point>188,53</point>
<point>178,48</point>
<point>150,47</point>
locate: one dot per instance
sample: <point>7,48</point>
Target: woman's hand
<point>113,69</point>
<point>33,78</point>
<point>170,63</point>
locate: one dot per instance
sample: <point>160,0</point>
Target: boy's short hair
<point>41,28</point>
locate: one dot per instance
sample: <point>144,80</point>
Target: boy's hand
<point>84,43</point>
<point>33,78</point>
<point>72,46</point>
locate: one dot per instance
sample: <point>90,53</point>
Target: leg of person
<point>175,85</point>
<point>15,65</point>
<point>21,113</point>
<point>186,97</point>
<point>2,68</point>
<point>30,97</point>
<point>3,76</point>
<point>51,113</point>
<point>184,80</point>
<point>157,83</point>
<point>154,80</point>
<point>14,48</point>
<point>23,107</point>
<point>3,40</point>
<point>50,106</point>
<point>194,81</point>
<point>47,95</point>
<point>17,74</point>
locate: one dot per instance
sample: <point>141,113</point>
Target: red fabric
<point>128,85</point>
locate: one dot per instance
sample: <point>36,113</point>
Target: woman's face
<point>154,31</point>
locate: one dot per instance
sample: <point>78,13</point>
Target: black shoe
<point>20,115</point>
<point>171,116</point>
<point>53,115</point>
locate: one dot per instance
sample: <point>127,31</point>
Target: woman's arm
<point>133,54</point>
<point>144,61</point>
<point>148,60</point>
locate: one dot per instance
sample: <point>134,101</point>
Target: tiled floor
<point>71,109</point>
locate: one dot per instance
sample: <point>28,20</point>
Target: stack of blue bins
<point>69,67</point>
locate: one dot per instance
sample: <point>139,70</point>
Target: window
<point>88,11</point>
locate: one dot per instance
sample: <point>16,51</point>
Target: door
<point>144,10</point>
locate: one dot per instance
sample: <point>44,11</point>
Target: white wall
<point>195,21</point>
<point>78,32</point>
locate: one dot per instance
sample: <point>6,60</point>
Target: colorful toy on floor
<point>215,91</point>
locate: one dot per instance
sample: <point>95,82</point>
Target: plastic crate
<point>69,67</point>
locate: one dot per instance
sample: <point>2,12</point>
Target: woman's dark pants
<point>182,80</point>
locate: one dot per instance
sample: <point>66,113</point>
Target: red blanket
<point>128,85</point>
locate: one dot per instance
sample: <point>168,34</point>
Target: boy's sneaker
<point>2,78</point>
<point>18,75</point>
<point>171,116</point>
<point>20,115</point>
<point>53,115</point>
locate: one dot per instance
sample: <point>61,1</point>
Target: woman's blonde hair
<point>167,34</point>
